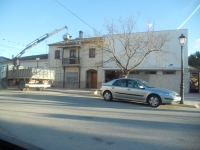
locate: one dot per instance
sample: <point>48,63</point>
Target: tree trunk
<point>125,75</point>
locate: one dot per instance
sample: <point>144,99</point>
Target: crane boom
<point>35,42</point>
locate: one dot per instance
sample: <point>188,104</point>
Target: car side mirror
<point>141,87</point>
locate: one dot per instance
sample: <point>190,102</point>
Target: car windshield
<point>146,84</point>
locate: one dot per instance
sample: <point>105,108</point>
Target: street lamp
<point>37,61</point>
<point>182,40</point>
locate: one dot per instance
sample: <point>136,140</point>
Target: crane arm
<point>35,42</point>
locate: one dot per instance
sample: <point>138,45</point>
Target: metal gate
<point>194,82</point>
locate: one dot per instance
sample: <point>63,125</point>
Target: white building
<point>75,67</point>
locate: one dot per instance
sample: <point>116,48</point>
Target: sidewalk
<point>191,99</point>
<point>87,91</point>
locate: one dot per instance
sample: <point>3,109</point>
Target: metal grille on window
<point>72,77</point>
<point>150,72</point>
<point>169,72</point>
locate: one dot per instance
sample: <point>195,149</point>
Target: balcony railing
<point>71,61</point>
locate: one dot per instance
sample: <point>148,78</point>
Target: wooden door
<point>93,80</point>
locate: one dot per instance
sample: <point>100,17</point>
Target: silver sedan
<point>138,90</point>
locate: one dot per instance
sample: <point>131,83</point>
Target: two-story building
<point>74,64</point>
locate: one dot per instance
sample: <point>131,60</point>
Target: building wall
<point>42,64</point>
<point>171,59</point>
<point>168,81</point>
<point>90,64</point>
<point>56,65</point>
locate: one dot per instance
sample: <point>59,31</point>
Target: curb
<point>181,105</point>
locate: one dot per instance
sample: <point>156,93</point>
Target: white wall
<point>158,60</point>
<point>42,63</point>
<point>52,61</point>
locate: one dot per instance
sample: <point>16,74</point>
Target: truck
<point>28,77</point>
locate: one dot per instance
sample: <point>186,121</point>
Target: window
<point>150,72</point>
<point>72,77</point>
<point>132,84</point>
<point>120,83</point>
<point>91,53</point>
<point>72,53</point>
<point>72,56</point>
<point>169,72</point>
<point>134,72</point>
<point>145,83</point>
<point>57,54</point>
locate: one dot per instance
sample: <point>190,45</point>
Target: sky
<point>23,21</point>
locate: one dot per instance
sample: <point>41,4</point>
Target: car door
<point>134,92</point>
<point>119,89</point>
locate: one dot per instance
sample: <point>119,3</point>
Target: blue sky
<point>23,21</point>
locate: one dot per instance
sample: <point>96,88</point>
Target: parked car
<point>138,90</point>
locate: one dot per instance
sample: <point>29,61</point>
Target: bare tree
<point>127,48</point>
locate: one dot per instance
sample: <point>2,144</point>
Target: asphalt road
<point>54,120</point>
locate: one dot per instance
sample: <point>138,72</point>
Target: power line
<point>9,47</point>
<point>16,48</point>
<point>13,42</point>
<point>77,16</point>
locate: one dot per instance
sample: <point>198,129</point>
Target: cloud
<point>197,43</point>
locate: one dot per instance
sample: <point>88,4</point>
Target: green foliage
<point>194,60</point>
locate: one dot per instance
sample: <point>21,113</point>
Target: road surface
<point>54,120</point>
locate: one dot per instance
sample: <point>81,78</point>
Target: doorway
<point>194,82</point>
<point>91,80</point>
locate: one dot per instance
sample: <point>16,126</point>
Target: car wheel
<point>154,100</point>
<point>22,85</point>
<point>107,96</point>
<point>39,89</point>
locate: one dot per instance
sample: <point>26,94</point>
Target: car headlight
<point>169,94</point>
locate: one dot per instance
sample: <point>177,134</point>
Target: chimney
<point>80,34</point>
